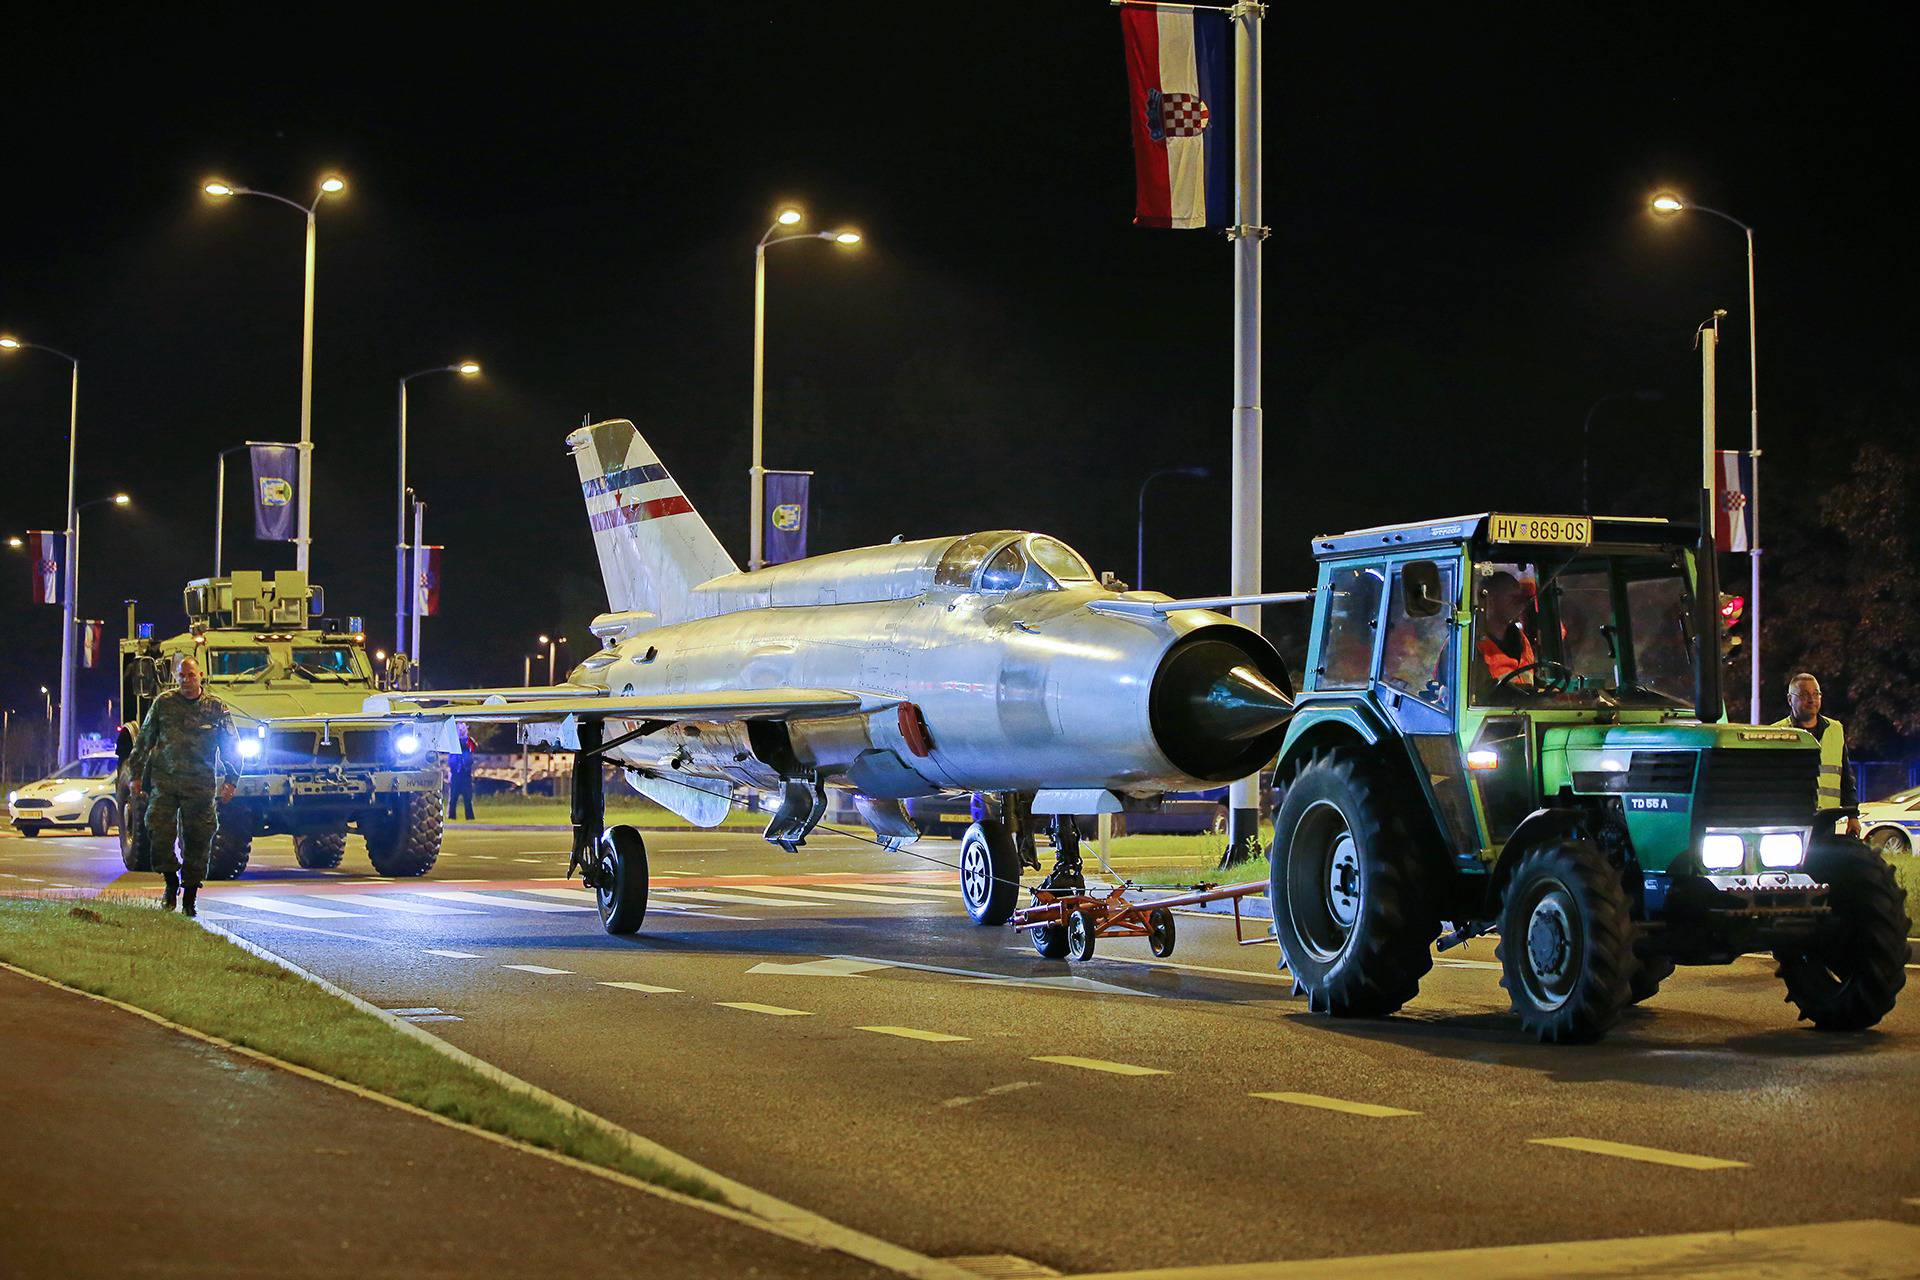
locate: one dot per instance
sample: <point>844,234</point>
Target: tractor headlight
<point>1780,849</point>
<point>407,743</point>
<point>249,748</point>
<point>1722,850</point>
<point>71,796</point>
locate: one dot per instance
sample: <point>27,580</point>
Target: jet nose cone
<point>1214,709</point>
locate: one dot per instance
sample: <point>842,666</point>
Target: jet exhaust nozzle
<point>1219,706</point>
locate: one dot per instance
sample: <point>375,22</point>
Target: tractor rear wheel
<point>320,852</point>
<point>1566,942</point>
<point>1352,908</point>
<point>1848,980</point>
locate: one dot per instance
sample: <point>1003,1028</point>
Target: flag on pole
<point>47,550</point>
<point>276,480</point>
<point>93,632</point>
<point>1180,94</point>
<point>427,588</point>
<point>1733,500</point>
<point>788,515</point>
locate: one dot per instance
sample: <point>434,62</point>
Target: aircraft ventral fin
<point>489,706</point>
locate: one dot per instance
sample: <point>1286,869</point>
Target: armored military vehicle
<point>1514,724</point>
<point>283,669</point>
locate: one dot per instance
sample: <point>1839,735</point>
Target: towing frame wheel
<point>320,851</point>
<point>989,872</point>
<point>1050,940</point>
<point>1348,884</point>
<point>1847,980</point>
<point>1082,929</point>
<point>621,888</point>
<point>1566,942</point>
<point>1160,932</point>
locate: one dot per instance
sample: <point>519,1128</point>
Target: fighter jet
<point>994,663</point>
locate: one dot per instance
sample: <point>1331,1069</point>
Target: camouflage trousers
<point>192,816</point>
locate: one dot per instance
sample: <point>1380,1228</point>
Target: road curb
<point>743,1203</point>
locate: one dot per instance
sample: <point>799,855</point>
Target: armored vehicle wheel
<point>1081,931</point>
<point>1050,940</point>
<point>135,854</point>
<point>1160,932</point>
<point>1566,941</point>
<point>622,891</point>
<point>989,872</point>
<point>1847,981</point>
<point>320,852</point>
<point>232,842</point>
<point>405,841</point>
<point>1647,977</point>
<point>101,819</point>
<point>1351,908</point>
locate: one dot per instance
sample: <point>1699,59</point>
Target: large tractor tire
<point>989,872</point>
<point>1352,907</point>
<point>405,841</point>
<point>1848,980</point>
<point>320,852</point>
<point>135,853</point>
<point>622,893</point>
<point>232,842</point>
<point>1648,974</point>
<point>1566,942</point>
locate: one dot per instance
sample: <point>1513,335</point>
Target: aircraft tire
<point>1849,981</point>
<point>623,903</point>
<point>989,872</point>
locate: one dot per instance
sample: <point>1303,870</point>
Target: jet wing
<point>1158,608</point>
<point>538,706</point>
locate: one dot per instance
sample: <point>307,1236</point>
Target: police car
<point>80,795</point>
<point>1892,825</point>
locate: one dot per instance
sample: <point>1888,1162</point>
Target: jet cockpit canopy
<point>1002,561</point>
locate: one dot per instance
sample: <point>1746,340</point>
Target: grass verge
<point>167,965</point>
<point>544,811</point>
<point>1907,869</point>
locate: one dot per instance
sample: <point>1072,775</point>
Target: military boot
<point>186,900</point>
<point>173,893</point>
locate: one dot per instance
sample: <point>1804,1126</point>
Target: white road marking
<point>452,955</point>
<point>1628,1151</point>
<point>985,978</point>
<point>828,895</point>
<point>914,1033</point>
<point>994,1092</point>
<point>284,907</point>
<point>1100,1064</point>
<point>497,900</point>
<point>537,968</point>
<point>385,902</point>
<point>589,896</point>
<point>1273,976</point>
<point>1323,1103</point>
<point>644,988</point>
<point>403,1013</point>
<point>708,895</point>
<point>773,1009</point>
<point>819,968</point>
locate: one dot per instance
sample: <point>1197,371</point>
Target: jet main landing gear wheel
<point>989,872</point>
<point>621,881</point>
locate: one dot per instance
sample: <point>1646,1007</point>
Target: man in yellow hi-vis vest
<point>1837,786</point>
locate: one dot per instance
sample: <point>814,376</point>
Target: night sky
<point>1460,265</point>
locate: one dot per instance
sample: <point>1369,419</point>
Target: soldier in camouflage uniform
<point>172,765</point>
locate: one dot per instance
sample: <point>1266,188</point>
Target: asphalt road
<point>830,1027</point>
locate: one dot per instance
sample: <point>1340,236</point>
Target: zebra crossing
<point>752,901</point>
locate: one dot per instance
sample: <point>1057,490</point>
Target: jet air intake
<point>1220,704</point>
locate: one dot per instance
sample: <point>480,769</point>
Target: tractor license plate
<point>1567,531</point>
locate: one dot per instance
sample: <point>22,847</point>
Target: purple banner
<point>276,484</point>
<point>787,515</point>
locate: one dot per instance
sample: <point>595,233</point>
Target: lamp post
<point>553,644</point>
<point>329,185</point>
<point>466,369</point>
<point>49,698</point>
<point>1668,204</point>
<point>756,475</point>
<point>1140,527</point>
<point>1648,396</point>
<point>66,601</point>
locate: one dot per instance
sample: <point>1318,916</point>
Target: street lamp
<point>1140,529</point>
<point>1669,204</point>
<point>10,343</point>
<point>1648,396</point>
<point>73,596</point>
<point>329,185</point>
<point>757,474</point>
<point>466,369</point>
<point>552,644</point>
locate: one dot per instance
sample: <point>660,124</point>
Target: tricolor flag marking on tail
<point>1733,501</point>
<point>628,512</point>
<point>1180,90</point>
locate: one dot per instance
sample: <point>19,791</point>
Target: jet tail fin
<point>653,547</point>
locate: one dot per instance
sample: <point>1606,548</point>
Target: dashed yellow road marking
<point>1097,1064</point>
<point>643,987</point>
<point>1336,1104</point>
<point>1627,1151</point>
<point>914,1033</point>
<point>773,1009</point>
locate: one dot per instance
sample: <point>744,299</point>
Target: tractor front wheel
<point>1566,942</point>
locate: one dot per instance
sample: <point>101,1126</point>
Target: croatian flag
<point>1180,95</point>
<point>426,595</point>
<point>46,549</point>
<point>1733,501</point>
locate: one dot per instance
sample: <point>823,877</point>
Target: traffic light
<point>1732,609</point>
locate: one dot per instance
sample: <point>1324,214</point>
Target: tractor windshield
<point>1592,629</point>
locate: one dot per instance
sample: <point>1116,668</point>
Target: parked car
<point>1892,825</point>
<point>78,796</point>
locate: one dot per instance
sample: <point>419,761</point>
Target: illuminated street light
<point>466,369</point>
<point>217,187</point>
<point>1666,204</point>
<point>757,472</point>
<point>121,499</point>
<point>15,542</point>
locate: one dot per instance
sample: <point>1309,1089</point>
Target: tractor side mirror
<point>1420,587</point>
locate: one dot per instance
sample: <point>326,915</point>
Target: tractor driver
<point>1503,647</point>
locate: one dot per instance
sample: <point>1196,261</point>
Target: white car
<point>80,795</point>
<point>1892,825</point>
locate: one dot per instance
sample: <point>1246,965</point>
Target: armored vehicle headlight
<point>407,743</point>
<point>69,796</point>
<point>249,748</point>
<point>1721,850</point>
<point>1782,849</point>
